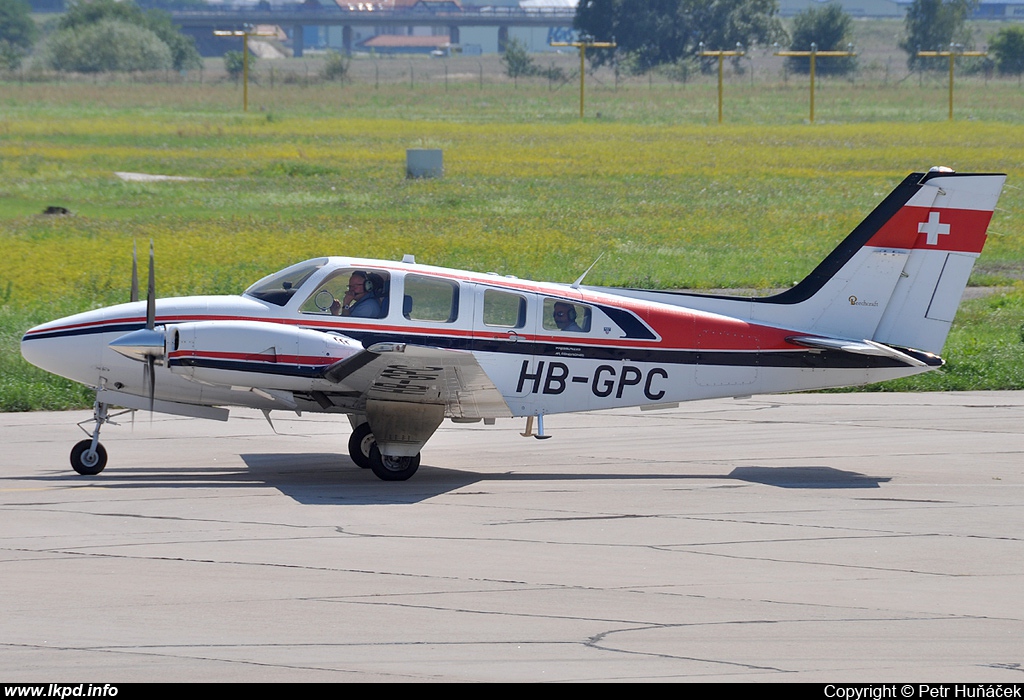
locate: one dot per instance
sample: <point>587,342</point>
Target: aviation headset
<point>368,286</point>
<point>374,284</point>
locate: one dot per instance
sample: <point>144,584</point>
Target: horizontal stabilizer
<point>868,347</point>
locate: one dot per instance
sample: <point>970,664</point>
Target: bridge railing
<point>360,11</point>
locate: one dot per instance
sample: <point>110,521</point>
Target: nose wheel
<point>89,457</point>
<point>88,460</point>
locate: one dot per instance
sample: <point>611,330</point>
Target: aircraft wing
<point>421,374</point>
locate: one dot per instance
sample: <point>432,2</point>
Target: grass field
<point>670,197</point>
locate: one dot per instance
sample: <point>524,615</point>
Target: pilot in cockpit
<point>565,317</point>
<point>361,300</point>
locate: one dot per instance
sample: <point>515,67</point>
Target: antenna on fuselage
<point>576,284</point>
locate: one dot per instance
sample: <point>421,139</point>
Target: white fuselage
<point>270,352</point>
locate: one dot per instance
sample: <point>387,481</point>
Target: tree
<point>517,61</point>
<point>1008,46</point>
<point>108,45</point>
<point>932,25</point>
<point>659,32</point>
<point>831,30</point>
<point>17,32</point>
<point>234,64</point>
<point>84,13</point>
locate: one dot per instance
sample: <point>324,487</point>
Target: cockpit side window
<point>562,316</point>
<point>279,288</point>
<point>361,293</point>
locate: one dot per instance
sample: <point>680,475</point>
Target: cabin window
<point>562,316</point>
<point>430,299</point>
<point>279,288</point>
<point>504,309</point>
<point>351,292</point>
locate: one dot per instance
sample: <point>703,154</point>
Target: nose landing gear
<point>89,457</point>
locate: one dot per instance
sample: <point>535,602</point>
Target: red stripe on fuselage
<point>303,360</point>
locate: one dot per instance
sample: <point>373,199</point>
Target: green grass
<point>670,198</point>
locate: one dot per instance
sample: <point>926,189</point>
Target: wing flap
<point>421,374</point>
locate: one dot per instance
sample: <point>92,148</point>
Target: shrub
<point>82,13</point>
<point>109,45</point>
<point>335,66</point>
<point>517,61</point>
<point>234,64</point>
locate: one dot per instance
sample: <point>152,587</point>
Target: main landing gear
<point>359,444</point>
<point>363,450</point>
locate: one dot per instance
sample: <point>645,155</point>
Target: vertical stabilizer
<point>947,221</point>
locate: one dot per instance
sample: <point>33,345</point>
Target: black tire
<point>85,461</point>
<point>392,468</point>
<point>359,444</point>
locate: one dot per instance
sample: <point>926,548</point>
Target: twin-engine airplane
<point>398,347</point>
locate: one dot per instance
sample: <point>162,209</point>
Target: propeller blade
<point>135,273</point>
<point>150,377</point>
<point>151,293</point>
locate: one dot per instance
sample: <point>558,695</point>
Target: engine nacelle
<point>254,354</point>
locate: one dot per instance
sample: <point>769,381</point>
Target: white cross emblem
<point>933,228</point>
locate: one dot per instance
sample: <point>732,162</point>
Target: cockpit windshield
<point>278,288</point>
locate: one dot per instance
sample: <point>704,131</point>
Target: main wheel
<point>359,444</point>
<point>87,461</point>
<point>392,468</point>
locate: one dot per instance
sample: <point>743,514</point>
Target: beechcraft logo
<point>854,301</point>
<point>933,228</point>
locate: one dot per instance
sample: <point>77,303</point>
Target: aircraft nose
<point>56,348</point>
<point>36,348</point>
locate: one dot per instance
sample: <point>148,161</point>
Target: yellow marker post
<point>814,53</point>
<point>583,45</point>
<point>954,51</point>
<point>245,34</point>
<point>721,59</point>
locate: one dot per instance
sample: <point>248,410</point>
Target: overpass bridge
<point>296,16</point>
